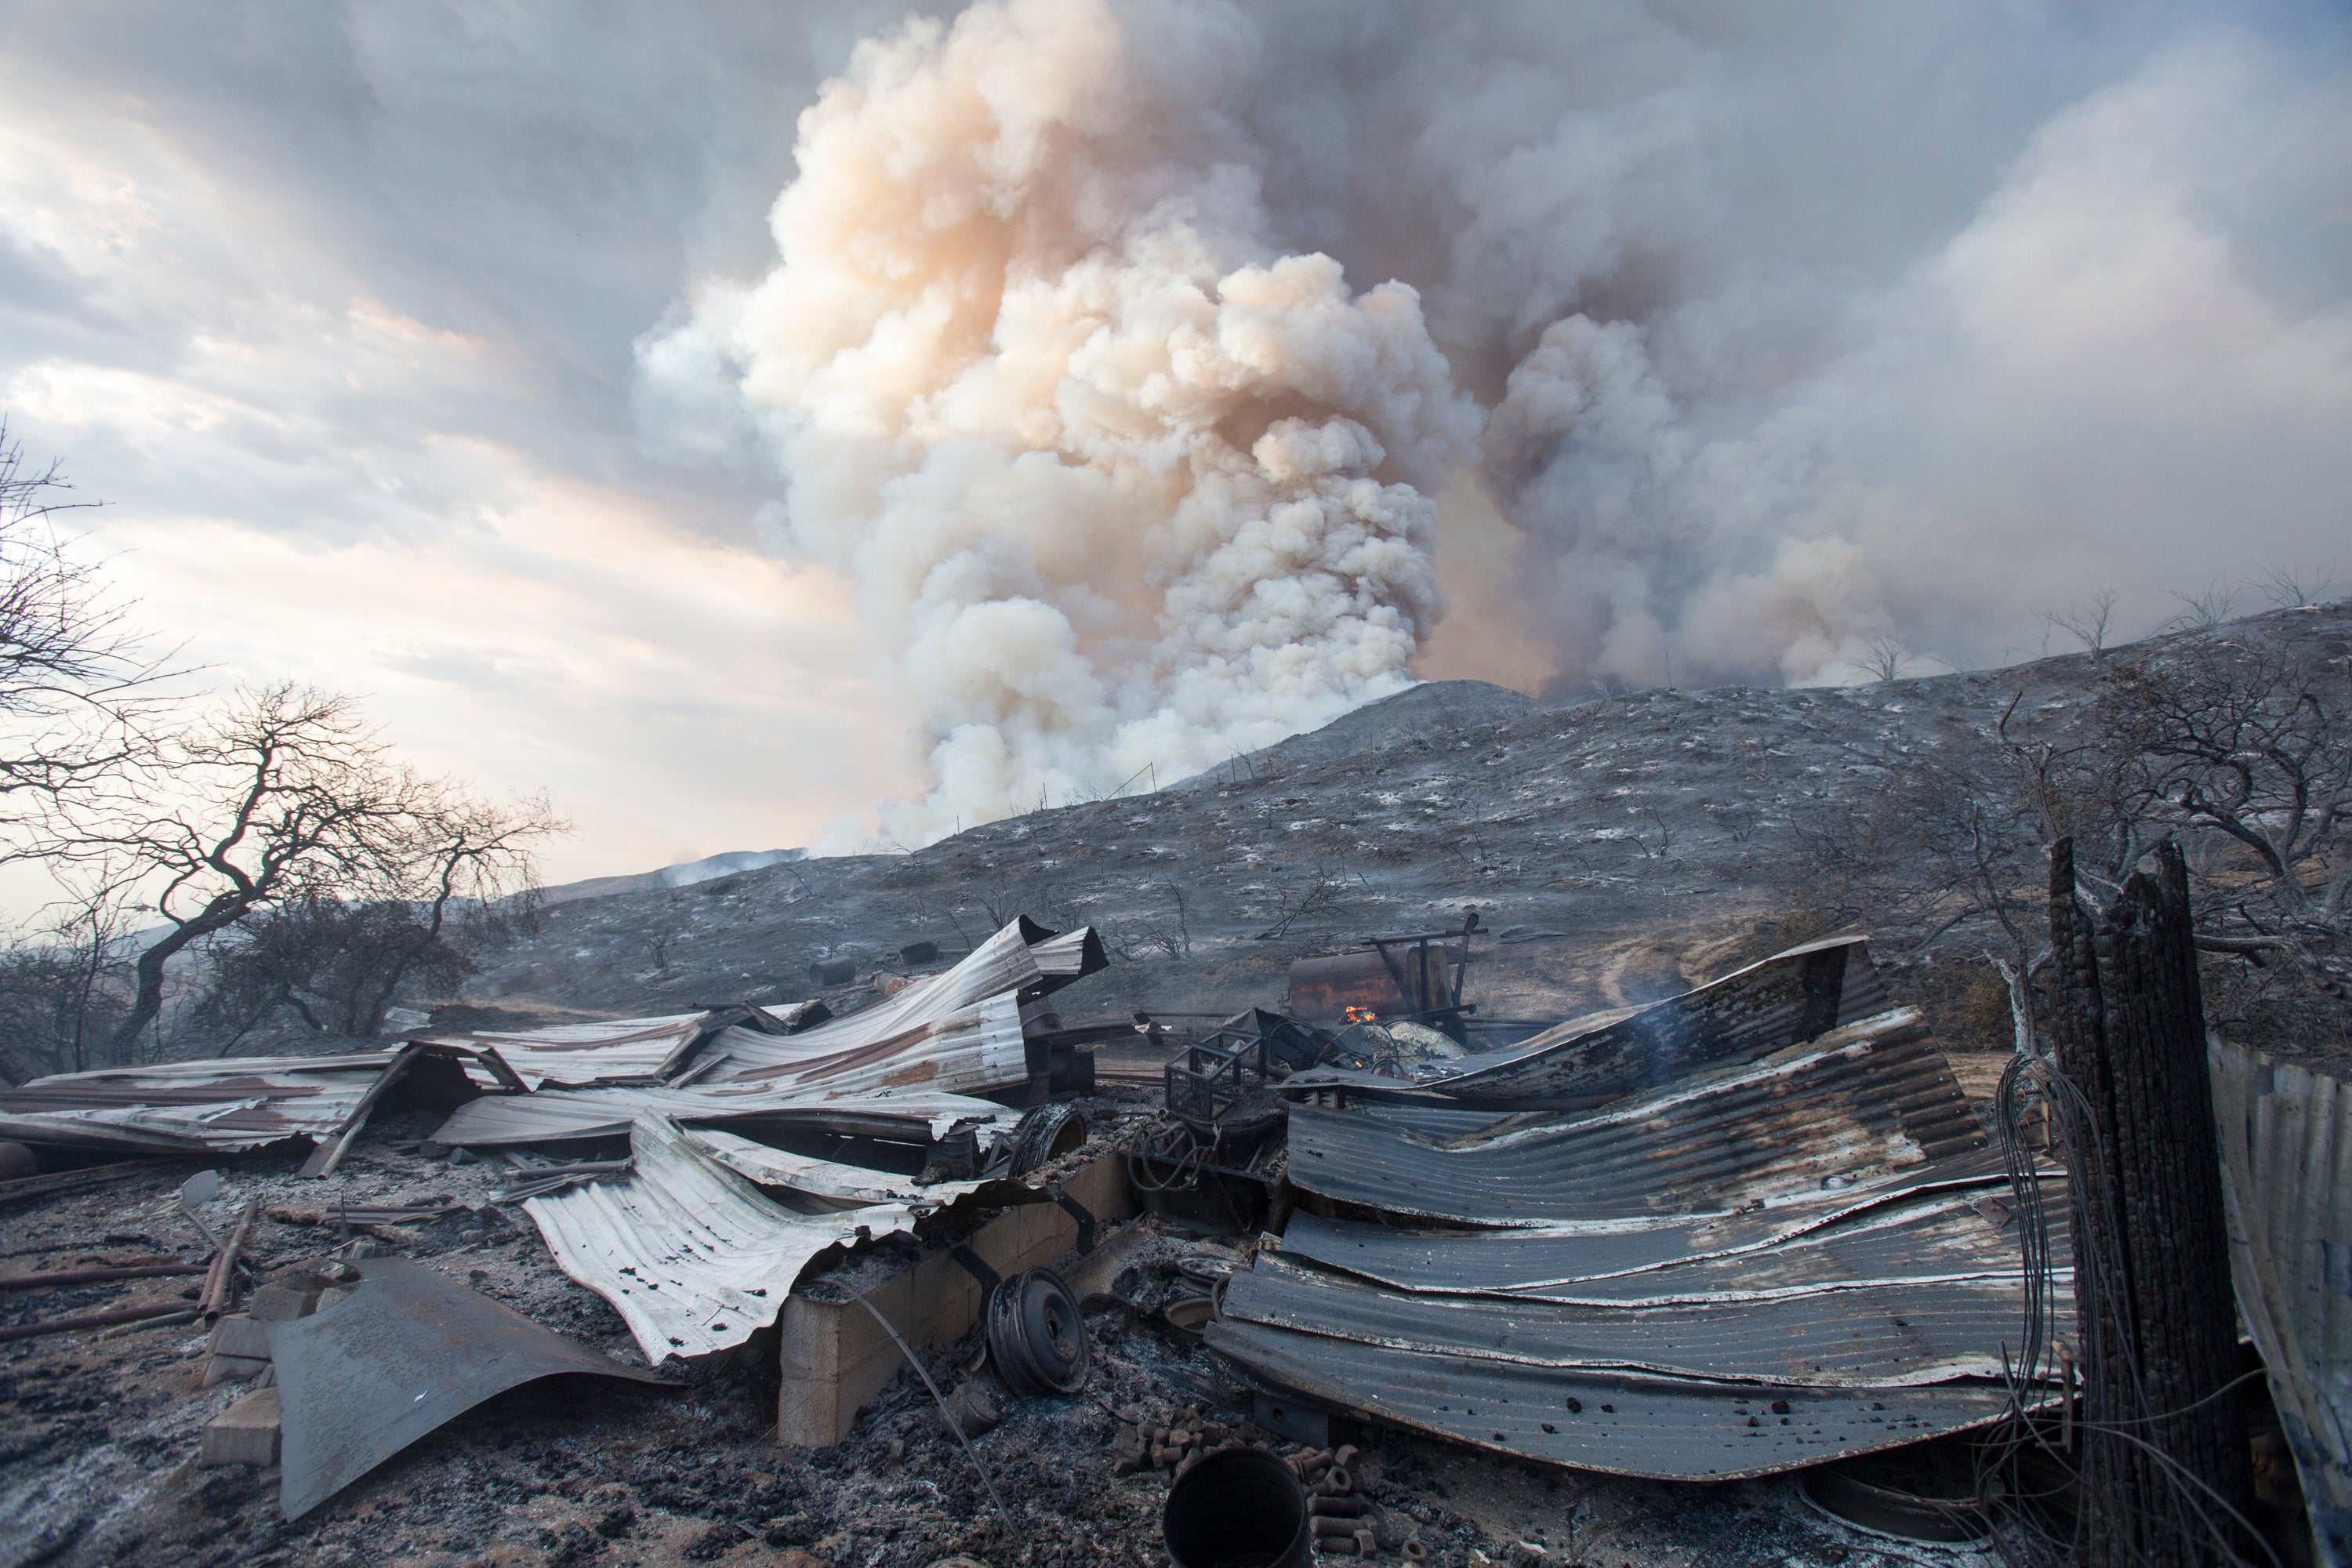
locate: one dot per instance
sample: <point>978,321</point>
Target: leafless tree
<point>2088,623</point>
<point>286,793</point>
<point>331,962</point>
<point>61,992</point>
<point>2205,611</point>
<point>1306,901</point>
<point>1884,656</point>
<point>76,680</point>
<point>2291,587</point>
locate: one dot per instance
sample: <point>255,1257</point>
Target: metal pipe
<point>64,1277</point>
<point>91,1321</point>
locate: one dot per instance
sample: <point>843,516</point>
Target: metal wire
<point>946,1415</point>
<point>2028,1083</point>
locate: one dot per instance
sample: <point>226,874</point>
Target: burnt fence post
<point>2164,1460</point>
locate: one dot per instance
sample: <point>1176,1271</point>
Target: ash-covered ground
<point>98,1463</point>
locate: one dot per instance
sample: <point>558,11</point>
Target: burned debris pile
<point>1749,1229</point>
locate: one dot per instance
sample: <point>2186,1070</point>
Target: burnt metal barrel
<point>1237,1508</point>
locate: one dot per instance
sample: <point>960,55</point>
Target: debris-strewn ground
<point>101,1433</point>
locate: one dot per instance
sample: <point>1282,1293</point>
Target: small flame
<point>1361,1015</point>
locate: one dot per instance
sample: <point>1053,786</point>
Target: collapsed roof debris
<point>613,1050</point>
<point>961,1031</point>
<point>687,1251</point>
<point>1776,1242</point>
<point>1751,1228</point>
<point>1855,1106</point>
<point>406,1352</point>
<point>223,1106</point>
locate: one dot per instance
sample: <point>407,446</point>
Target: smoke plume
<point>1127,489</point>
<point>1119,352</point>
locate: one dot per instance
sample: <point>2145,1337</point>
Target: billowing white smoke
<point>1775,336</point>
<point>1123,487</point>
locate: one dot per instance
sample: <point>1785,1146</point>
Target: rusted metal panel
<point>608,1050</point>
<point>1627,1423</point>
<point>2286,1161</point>
<point>1784,1000</point>
<point>959,1031</point>
<point>408,1350</point>
<point>224,1105</point>
<point>1871,1335</point>
<point>1856,1107</point>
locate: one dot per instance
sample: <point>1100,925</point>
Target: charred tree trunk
<point>2165,1467</point>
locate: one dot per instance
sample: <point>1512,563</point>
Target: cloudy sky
<point>435,353</point>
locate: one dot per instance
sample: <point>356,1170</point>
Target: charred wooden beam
<point>2165,1470</point>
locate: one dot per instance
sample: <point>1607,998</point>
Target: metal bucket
<point>1237,1508</point>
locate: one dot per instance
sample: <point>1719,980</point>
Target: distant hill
<point>682,875</point>
<point>1616,848</point>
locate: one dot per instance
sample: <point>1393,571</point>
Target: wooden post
<point>2164,1453</point>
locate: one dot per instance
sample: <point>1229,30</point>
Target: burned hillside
<point>1616,849</point>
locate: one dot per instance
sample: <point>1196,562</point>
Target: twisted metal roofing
<point>691,1254</point>
<point>1784,1000</point>
<point>1624,1423</point>
<point>959,1031</point>
<point>1856,1107</point>
<point>223,1105</point>
<point>642,1050</point>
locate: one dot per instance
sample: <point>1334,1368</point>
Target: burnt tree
<point>2166,1476</point>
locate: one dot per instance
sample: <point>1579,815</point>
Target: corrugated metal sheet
<point>552,1115</point>
<point>826,1182</point>
<point>223,1105</point>
<point>959,1031</point>
<point>1068,958</point>
<point>2286,1155</point>
<point>1881,1335</point>
<point>1856,1107</point>
<point>574,1056</point>
<point>691,1254</point>
<point>1951,1233</point>
<point>1625,1424</point>
<point>1783,1000</point>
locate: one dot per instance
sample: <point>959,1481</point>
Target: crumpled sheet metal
<point>1852,1108</point>
<point>642,1050</point>
<point>1914,1235</point>
<point>1891,1333</point>
<point>408,1350</point>
<point>691,1254</point>
<point>555,1115</point>
<point>1784,1000</point>
<point>222,1105</point>
<point>959,1031</point>
<point>1627,1424</point>
<point>2286,1164</point>
<point>829,1182</point>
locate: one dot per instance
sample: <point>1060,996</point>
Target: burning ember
<point>1361,1015</point>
